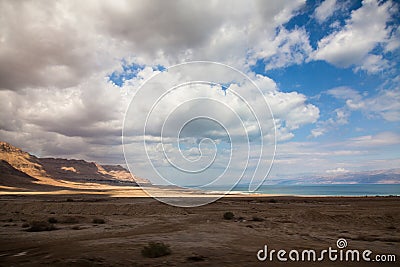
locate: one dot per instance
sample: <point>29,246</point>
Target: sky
<point>329,71</point>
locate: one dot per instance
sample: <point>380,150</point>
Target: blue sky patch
<point>128,72</point>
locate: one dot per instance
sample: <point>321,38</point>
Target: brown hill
<point>11,177</point>
<point>21,160</point>
<point>21,169</point>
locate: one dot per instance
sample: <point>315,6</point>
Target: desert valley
<point>73,213</point>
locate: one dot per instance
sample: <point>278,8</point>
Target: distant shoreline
<point>148,192</point>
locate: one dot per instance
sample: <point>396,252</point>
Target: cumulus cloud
<point>340,117</point>
<point>365,30</point>
<point>44,44</point>
<point>285,49</point>
<point>77,122</point>
<point>71,40</point>
<point>55,59</point>
<point>325,10</point>
<point>55,83</point>
<point>290,110</point>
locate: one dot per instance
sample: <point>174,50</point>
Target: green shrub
<point>155,250</point>
<point>228,215</point>
<point>40,226</point>
<point>98,221</point>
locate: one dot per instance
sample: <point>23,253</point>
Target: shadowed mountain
<point>12,177</point>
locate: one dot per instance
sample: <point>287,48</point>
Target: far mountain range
<point>386,176</point>
<point>21,170</point>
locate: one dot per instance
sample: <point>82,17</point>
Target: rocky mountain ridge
<point>20,167</point>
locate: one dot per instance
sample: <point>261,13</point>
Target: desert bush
<point>39,226</point>
<point>196,258</point>
<point>258,219</point>
<point>76,227</point>
<point>70,220</point>
<point>70,200</point>
<point>98,221</point>
<point>228,215</point>
<point>25,225</point>
<point>155,250</point>
<point>272,200</point>
<point>52,220</point>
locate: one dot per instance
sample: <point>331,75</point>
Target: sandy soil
<point>196,236</point>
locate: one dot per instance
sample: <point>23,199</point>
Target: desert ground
<point>99,230</point>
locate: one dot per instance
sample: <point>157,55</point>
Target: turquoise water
<point>322,190</point>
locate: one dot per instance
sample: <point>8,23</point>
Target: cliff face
<point>56,171</point>
<point>21,160</point>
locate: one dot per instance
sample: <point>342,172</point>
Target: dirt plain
<point>198,236</point>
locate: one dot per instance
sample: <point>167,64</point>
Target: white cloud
<point>373,64</point>
<point>55,99</point>
<point>353,154</point>
<point>48,45</point>
<point>366,29</point>
<point>284,49</point>
<point>385,104</point>
<point>77,122</point>
<point>318,132</point>
<point>344,92</point>
<point>340,118</point>
<point>85,121</point>
<point>290,110</point>
<point>69,40</point>
<point>378,140</point>
<point>337,170</point>
<point>325,10</point>
<point>394,40</point>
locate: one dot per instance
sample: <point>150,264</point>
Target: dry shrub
<point>155,250</point>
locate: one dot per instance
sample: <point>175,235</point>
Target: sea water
<point>318,190</point>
